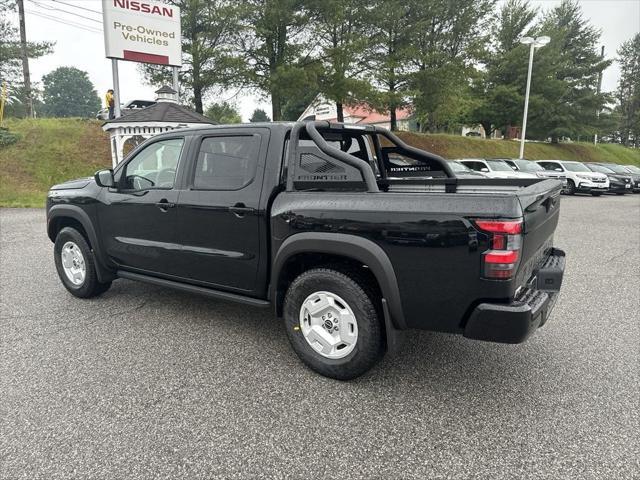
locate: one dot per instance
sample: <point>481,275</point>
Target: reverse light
<point>501,261</point>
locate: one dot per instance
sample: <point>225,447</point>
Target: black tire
<point>90,287</point>
<point>596,194</point>
<point>619,193</point>
<point>571,187</point>
<point>360,297</point>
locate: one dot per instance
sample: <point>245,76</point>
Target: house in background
<point>322,109</point>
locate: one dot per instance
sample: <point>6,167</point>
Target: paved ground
<point>149,383</point>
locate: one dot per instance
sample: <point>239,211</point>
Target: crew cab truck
<point>346,232</point>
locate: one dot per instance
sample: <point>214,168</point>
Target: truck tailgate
<point>540,204</point>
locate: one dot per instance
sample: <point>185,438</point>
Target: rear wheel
<point>571,187</point>
<point>75,264</point>
<point>333,323</point>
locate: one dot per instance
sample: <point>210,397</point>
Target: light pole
<point>534,43</point>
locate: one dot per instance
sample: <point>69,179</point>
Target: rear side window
<point>477,166</point>
<point>226,163</point>
<point>550,165</point>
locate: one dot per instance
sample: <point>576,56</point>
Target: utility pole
<point>25,59</point>
<point>595,137</point>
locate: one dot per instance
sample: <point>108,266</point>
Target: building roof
<point>323,109</point>
<point>370,116</point>
<point>168,112</point>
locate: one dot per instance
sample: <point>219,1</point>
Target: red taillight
<point>501,256</point>
<point>500,262</point>
<point>509,227</point>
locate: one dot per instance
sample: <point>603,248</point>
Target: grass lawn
<point>49,151</point>
<point>52,150</point>
<point>450,146</point>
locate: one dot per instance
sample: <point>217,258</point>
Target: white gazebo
<point>133,128</point>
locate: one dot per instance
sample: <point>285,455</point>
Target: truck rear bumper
<point>514,322</point>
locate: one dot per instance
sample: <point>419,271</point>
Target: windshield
<point>633,168</point>
<point>499,166</point>
<point>527,166</point>
<point>600,168</point>
<point>458,167</point>
<point>616,168</point>
<point>575,167</point>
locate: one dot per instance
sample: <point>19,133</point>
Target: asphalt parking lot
<point>146,382</point>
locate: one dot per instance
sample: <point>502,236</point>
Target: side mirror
<point>484,170</point>
<point>104,178</point>
<point>558,169</point>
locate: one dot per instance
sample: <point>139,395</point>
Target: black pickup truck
<point>347,232</point>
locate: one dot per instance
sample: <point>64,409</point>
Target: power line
<point>66,22</point>
<point>47,7</point>
<point>76,6</point>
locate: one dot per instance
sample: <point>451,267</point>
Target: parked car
<point>493,168</point>
<point>272,215</point>
<point>528,166</point>
<point>128,107</point>
<point>463,171</point>
<point>635,174</point>
<point>579,177</point>
<point>618,183</point>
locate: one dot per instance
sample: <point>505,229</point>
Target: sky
<point>80,43</point>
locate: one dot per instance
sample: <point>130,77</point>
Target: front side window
<point>155,166</point>
<point>499,166</point>
<point>600,169</point>
<point>527,166</point>
<point>226,163</point>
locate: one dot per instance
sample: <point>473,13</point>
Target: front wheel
<point>75,265</point>
<point>333,323</point>
<point>571,187</point>
<point>596,194</point>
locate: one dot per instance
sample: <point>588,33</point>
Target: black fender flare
<point>78,214</point>
<point>350,246</point>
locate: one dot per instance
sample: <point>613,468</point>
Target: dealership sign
<point>142,31</point>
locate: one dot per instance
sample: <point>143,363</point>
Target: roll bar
<point>311,127</point>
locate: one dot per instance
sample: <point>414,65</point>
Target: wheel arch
<point>320,249</point>
<point>61,216</point>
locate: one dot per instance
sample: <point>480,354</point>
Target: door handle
<point>240,210</point>
<point>165,205</point>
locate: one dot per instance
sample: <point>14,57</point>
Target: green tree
<point>273,43</point>
<point>342,34</point>
<point>448,39</point>
<point>223,113</point>
<point>209,48</point>
<point>68,92</point>
<point>628,93</point>
<point>11,61</point>
<point>259,115</point>
<point>297,102</point>
<point>391,26</point>
<point>564,97</point>
<point>498,89</point>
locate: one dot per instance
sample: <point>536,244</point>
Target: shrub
<point>7,138</point>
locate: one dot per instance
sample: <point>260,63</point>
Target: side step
<point>185,287</point>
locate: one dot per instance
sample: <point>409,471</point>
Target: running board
<point>185,287</point>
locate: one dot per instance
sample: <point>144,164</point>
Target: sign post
<point>141,31</point>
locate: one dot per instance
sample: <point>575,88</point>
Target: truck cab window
<point>226,163</point>
<point>155,166</point>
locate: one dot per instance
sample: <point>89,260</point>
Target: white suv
<point>579,177</point>
<point>494,168</point>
